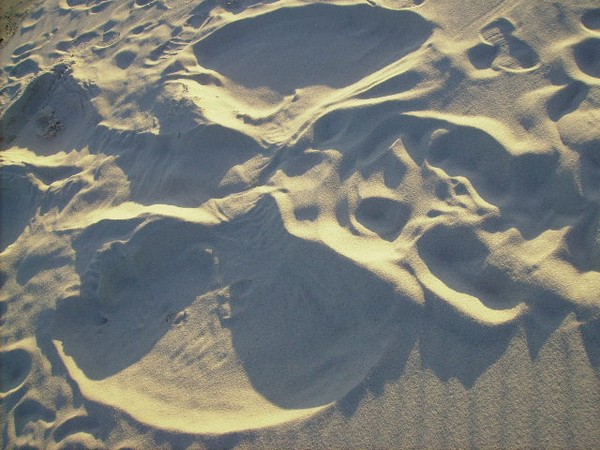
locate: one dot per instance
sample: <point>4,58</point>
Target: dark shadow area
<point>124,59</point>
<point>46,118</point>
<point>454,348</point>
<point>19,197</point>
<point>591,19</point>
<point>3,304</point>
<point>482,55</point>
<point>545,315</point>
<point>394,85</point>
<point>228,441</point>
<point>15,367</point>
<point>341,45</point>
<point>86,243</point>
<point>24,192</point>
<point>384,216</point>
<point>30,410</point>
<point>184,169</point>
<point>310,213</point>
<point>74,425</point>
<point>525,56</point>
<point>39,260</point>
<point>517,53</point>
<point>349,404</point>
<point>520,185</point>
<point>129,291</point>
<point>50,114</point>
<point>587,56</point>
<point>307,323</point>
<point>392,362</point>
<point>459,259</point>
<point>590,332</point>
<point>582,245</point>
<point>566,100</point>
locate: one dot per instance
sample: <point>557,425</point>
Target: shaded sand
<point>301,224</point>
<point>340,45</point>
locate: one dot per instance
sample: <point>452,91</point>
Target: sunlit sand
<point>300,224</point>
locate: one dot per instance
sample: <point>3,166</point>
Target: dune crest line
<point>300,224</point>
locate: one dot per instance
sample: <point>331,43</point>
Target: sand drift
<point>229,217</point>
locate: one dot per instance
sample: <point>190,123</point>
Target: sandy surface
<point>301,224</point>
<point>12,13</point>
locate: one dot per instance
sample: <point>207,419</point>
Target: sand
<point>301,224</point>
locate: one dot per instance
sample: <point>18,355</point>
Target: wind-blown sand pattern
<point>301,224</point>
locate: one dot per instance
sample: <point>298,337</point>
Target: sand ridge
<point>262,223</point>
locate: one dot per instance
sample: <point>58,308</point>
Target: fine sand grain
<point>300,224</point>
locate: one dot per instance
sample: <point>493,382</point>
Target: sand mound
<point>340,45</point>
<point>190,298</point>
<point>300,224</point>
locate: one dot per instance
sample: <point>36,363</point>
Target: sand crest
<point>300,224</point>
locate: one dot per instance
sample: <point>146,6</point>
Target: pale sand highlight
<point>301,224</point>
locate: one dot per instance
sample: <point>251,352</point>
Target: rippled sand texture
<point>301,224</point>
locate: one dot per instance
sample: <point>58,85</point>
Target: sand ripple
<point>225,216</point>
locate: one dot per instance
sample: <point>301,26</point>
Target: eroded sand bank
<point>301,224</point>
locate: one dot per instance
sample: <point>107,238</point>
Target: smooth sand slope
<point>301,224</point>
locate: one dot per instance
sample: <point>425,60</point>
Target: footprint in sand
<point>31,414</point>
<point>310,213</point>
<point>93,6</point>
<point>16,365</point>
<point>78,41</point>
<point>31,21</point>
<point>23,51</point>
<point>23,68</point>
<point>566,100</point>
<point>591,19</point>
<point>587,56</point>
<point>501,48</point>
<point>384,216</point>
<point>108,39</point>
<point>482,55</point>
<point>73,425</point>
<point>341,45</point>
<point>459,258</point>
<point>124,59</point>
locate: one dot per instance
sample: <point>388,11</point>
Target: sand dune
<point>301,224</point>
